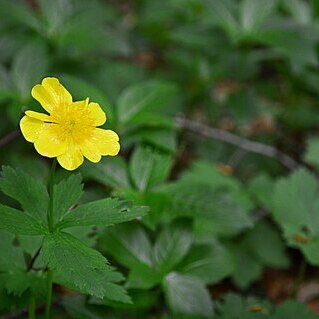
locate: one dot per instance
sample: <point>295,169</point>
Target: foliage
<point>179,225</point>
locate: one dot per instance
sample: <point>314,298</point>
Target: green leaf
<point>66,194</point>
<point>294,309</point>
<point>248,270</point>
<point>295,206</point>
<point>128,244</point>
<point>142,276</point>
<point>209,263</point>
<point>16,282</point>
<point>111,171</point>
<point>171,246</point>
<point>149,168</point>
<point>295,201</point>
<point>81,268</point>
<point>187,295</point>
<point>253,13</point>
<point>141,166</point>
<point>237,307</point>
<point>11,257</point>
<point>312,152</point>
<point>271,252</point>
<point>29,192</point>
<point>300,10</point>
<point>104,212</point>
<point>21,223</point>
<point>143,97</point>
<point>29,67</point>
<point>56,14</point>
<point>261,188</point>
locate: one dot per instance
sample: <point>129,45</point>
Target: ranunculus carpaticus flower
<point>69,132</point>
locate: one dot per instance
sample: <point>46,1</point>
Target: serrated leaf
<point>128,244</point>
<point>20,223</point>
<point>171,246</point>
<point>104,212</point>
<point>82,268</point>
<point>29,192</point>
<point>187,295</point>
<point>66,194</point>
<point>16,282</point>
<point>209,263</point>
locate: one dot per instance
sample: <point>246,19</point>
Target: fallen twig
<point>241,142</point>
<point>9,137</point>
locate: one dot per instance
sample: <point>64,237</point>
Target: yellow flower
<point>69,131</point>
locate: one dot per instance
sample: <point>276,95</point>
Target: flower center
<point>73,122</point>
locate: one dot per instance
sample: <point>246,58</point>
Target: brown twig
<point>241,142</point>
<point>9,137</point>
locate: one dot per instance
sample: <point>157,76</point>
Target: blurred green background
<point>230,232</point>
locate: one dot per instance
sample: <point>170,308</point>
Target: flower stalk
<point>51,230</point>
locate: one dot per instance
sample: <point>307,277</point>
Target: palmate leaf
<point>81,268</point>
<point>104,212</point>
<point>29,192</point>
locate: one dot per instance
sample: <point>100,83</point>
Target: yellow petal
<point>50,142</point>
<point>102,142</point>
<point>97,114</point>
<point>38,116</point>
<point>71,159</point>
<point>51,94</point>
<point>31,128</point>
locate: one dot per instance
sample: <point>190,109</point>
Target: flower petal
<point>97,114</point>
<point>51,94</point>
<point>102,142</point>
<point>38,116</point>
<point>31,128</point>
<point>71,159</point>
<point>51,142</point>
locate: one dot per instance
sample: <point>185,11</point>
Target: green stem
<point>31,310</point>
<point>51,192</point>
<point>49,294</point>
<point>51,230</point>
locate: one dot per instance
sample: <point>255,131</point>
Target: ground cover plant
<point>159,159</point>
